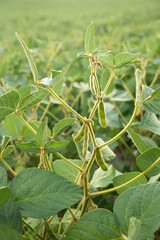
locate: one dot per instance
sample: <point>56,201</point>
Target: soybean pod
<point>86,140</point>
<point>102,114</point>
<point>92,84</point>
<point>80,134</point>
<point>100,160</point>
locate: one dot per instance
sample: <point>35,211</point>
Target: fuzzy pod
<point>92,84</point>
<point>85,140</point>
<point>80,134</point>
<point>100,160</point>
<point>102,114</point>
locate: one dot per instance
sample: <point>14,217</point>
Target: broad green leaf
<point>98,224</point>
<point>122,59</point>
<point>8,150</point>
<point>121,96</point>
<point>41,136</point>
<point>53,147</point>
<point>64,169</point>
<point>42,193</point>
<point>61,125</point>
<point>107,153</point>
<point>138,88</point>
<point>89,38</point>
<point>98,53</point>
<point>27,134</point>
<point>5,141</point>
<point>10,216</point>
<point>153,105</point>
<point>3,177</point>
<point>139,143</point>
<point>156,93</point>
<point>146,92</point>
<point>32,99</point>
<point>8,233</point>
<point>108,60</point>
<point>147,158</point>
<point>8,103</point>
<point>151,123</point>
<point>2,91</point>
<point>127,177</point>
<point>26,90</point>
<point>134,229</point>
<point>102,178</point>
<point>13,125</point>
<point>30,58</point>
<point>141,202</point>
<point>5,195</point>
<point>28,146</point>
<point>49,81</point>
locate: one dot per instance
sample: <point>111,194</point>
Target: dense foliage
<point>79,121</point>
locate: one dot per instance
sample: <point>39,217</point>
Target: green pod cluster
<point>92,84</point>
<point>80,134</point>
<point>102,114</point>
<point>100,160</point>
<point>85,141</point>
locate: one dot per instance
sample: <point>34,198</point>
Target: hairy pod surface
<point>80,134</point>
<point>100,161</point>
<point>102,114</point>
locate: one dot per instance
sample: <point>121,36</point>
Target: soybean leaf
<point>138,88</point>
<point>29,146</point>
<point>30,58</point>
<point>26,90</point>
<point>49,81</point>
<point>97,224</point>
<point>122,59</point>
<point>102,178</point>
<point>142,203</point>
<point>41,136</point>
<point>89,38</point>
<point>5,141</point>
<point>153,105</point>
<point>8,233</point>
<point>134,229</point>
<point>3,177</point>
<point>107,60</point>
<point>8,103</point>
<point>98,53</point>
<point>82,54</point>
<point>147,158</point>
<point>121,96</point>
<point>107,153</point>
<point>11,216</point>
<point>13,125</point>
<point>156,93</point>
<point>61,125</point>
<point>139,143</point>
<point>2,91</point>
<point>8,150</point>
<point>150,122</point>
<point>127,177</point>
<point>66,170</point>
<point>5,195</point>
<point>38,193</point>
<point>32,99</point>
<point>53,147</point>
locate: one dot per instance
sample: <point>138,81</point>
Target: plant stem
<point>7,166</point>
<point>155,78</point>
<point>49,166</point>
<point>64,103</point>
<point>72,214</point>
<point>127,183</point>
<point>44,113</point>
<point>85,190</point>
<point>92,135</point>
<point>32,229</point>
<point>90,162</point>
<point>123,130</point>
<point>25,123</point>
<point>68,161</point>
<point>103,94</point>
<point>49,113</point>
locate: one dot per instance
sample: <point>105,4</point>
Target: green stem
<point>8,167</point>
<point>49,166</point>
<point>92,135</point>
<point>155,78</point>
<point>72,214</point>
<point>64,103</point>
<point>103,94</point>
<point>85,190</point>
<point>25,123</point>
<point>49,113</point>
<point>68,161</point>
<point>44,113</point>
<point>32,229</point>
<point>123,130</point>
<point>90,162</point>
<point>127,183</point>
